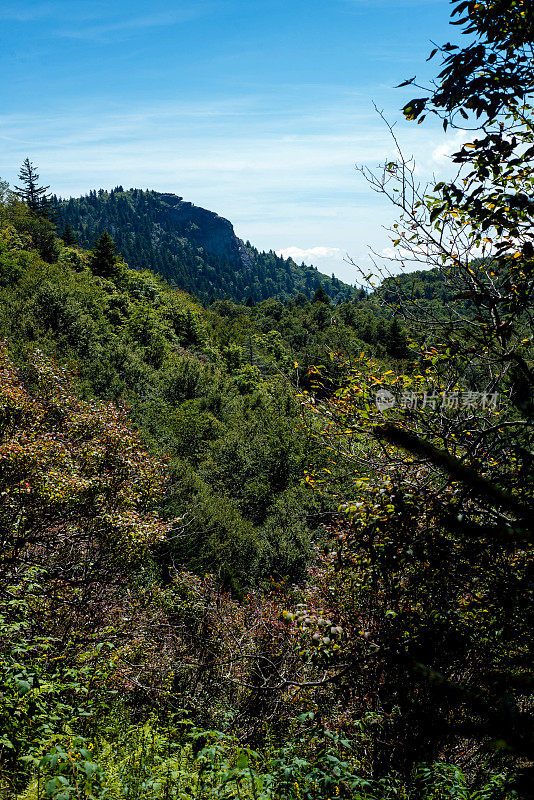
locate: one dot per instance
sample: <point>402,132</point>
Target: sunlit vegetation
<point>226,570</point>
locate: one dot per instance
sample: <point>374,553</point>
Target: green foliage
<point>12,260</point>
<point>68,236</point>
<point>35,230</point>
<point>432,567</point>
<point>490,73</point>
<point>51,701</point>
<point>207,395</point>
<point>405,671</point>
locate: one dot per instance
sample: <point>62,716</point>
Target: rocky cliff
<point>202,228</point>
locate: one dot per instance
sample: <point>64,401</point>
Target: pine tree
<point>103,260</point>
<point>68,235</point>
<point>320,296</point>
<point>395,340</point>
<point>31,193</point>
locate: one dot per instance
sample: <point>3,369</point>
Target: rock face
<point>202,228</point>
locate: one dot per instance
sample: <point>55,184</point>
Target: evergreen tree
<point>103,260</point>
<point>320,296</point>
<point>395,340</point>
<point>68,235</point>
<point>31,193</point>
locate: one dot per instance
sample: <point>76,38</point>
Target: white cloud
<point>309,253</point>
<point>441,154</point>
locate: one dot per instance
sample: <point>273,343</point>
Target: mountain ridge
<point>192,247</point>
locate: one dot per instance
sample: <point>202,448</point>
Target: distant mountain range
<point>191,247</point>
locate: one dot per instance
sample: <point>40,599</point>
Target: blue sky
<point>256,109</point>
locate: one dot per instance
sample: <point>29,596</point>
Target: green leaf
<point>405,83</point>
<point>89,768</point>
<point>4,741</point>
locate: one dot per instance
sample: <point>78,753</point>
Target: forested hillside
<point>212,388</point>
<point>194,249</point>
<point>280,548</point>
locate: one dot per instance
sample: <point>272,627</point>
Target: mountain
<point>191,247</point>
